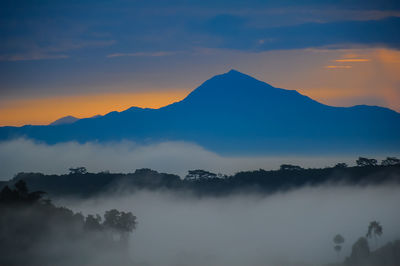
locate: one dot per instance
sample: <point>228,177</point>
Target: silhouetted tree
<point>374,230</point>
<point>7,195</point>
<point>219,175</point>
<point>121,222</point>
<point>20,194</point>
<point>289,167</point>
<point>77,171</point>
<point>341,165</point>
<point>21,187</point>
<point>366,162</point>
<point>28,221</point>
<point>199,174</point>
<point>390,161</point>
<point>338,240</point>
<point>93,223</point>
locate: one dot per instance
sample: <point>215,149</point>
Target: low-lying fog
<point>292,228</point>
<point>172,157</point>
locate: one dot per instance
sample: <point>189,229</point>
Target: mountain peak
<point>64,120</point>
<point>233,71</point>
<point>230,87</point>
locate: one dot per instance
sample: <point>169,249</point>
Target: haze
<point>293,228</point>
<point>307,88</point>
<point>24,155</point>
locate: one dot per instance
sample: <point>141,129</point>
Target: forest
<point>79,182</point>
<point>33,231</point>
<point>48,234</point>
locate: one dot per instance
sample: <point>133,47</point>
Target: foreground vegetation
<point>33,231</point>
<point>363,255</point>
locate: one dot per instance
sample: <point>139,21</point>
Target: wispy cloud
<point>352,60</point>
<point>144,54</point>
<point>341,67</point>
<point>56,50</point>
<point>30,57</point>
<point>78,44</point>
<point>347,58</point>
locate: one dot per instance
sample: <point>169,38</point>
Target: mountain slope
<point>236,113</point>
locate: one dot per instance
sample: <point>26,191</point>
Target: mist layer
<point>292,228</point>
<point>172,157</point>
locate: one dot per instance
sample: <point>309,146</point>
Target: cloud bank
<point>294,228</point>
<point>172,157</point>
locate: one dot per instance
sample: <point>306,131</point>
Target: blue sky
<point>59,29</point>
<point>65,48</point>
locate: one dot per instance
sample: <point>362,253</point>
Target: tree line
<point>79,182</point>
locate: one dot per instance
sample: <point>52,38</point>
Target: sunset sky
<point>84,58</point>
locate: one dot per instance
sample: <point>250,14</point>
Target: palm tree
<point>374,230</point>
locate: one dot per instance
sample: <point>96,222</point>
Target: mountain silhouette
<point>235,113</point>
<point>64,120</point>
<point>68,120</point>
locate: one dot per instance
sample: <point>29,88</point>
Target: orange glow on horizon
<point>333,97</point>
<point>46,110</point>
<point>339,67</point>
<point>351,60</point>
<point>342,83</point>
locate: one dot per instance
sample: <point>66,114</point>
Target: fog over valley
<point>292,228</point>
<point>199,133</point>
<point>24,155</point>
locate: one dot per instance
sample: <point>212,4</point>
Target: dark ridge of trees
<point>199,174</point>
<point>366,162</point>
<point>77,171</point>
<point>33,231</point>
<point>341,165</point>
<point>289,167</point>
<point>81,183</point>
<point>85,184</point>
<point>390,161</point>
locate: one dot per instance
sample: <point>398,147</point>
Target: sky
<point>84,58</point>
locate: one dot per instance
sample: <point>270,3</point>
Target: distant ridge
<point>68,120</point>
<point>237,114</point>
<point>64,120</point>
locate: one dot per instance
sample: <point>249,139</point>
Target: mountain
<point>68,120</point>
<point>237,114</point>
<point>64,120</point>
